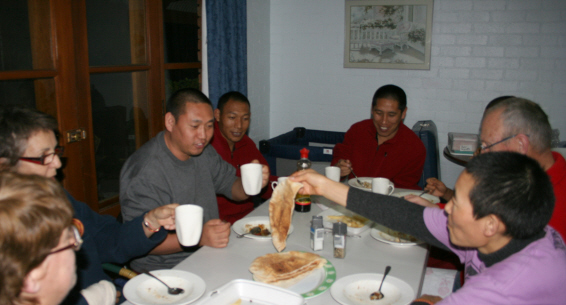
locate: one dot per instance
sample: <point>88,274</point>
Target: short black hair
<point>17,125</point>
<point>513,187</point>
<point>177,101</point>
<point>234,96</point>
<point>390,92</point>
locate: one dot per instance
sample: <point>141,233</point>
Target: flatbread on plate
<point>285,269</point>
<point>281,208</point>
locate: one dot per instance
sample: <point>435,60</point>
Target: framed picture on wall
<point>388,34</point>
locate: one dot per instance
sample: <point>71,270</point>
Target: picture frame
<point>388,34</point>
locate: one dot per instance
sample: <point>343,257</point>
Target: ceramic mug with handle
<point>382,186</point>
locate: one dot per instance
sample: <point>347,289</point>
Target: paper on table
<point>438,281</point>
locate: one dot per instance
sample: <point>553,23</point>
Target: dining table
<point>363,254</point>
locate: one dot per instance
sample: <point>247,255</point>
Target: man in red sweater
<point>383,146</point>
<point>232,120</point>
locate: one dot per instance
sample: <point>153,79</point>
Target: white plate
<point>317,282</point>
<point>379,232</point>
<point>145,290</point>
<point>428,197</point>
<point>354,183</point>
<point>355,290</point>
<point>328,223</point>
<point>245,224</point>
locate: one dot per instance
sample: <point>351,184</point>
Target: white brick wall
<point>481,49</point>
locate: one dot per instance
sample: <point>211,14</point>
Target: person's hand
<point>420,201</point>
<point>345,167</point>
<point>163,216</point>
<point>313,182</point>
<point>101,293</point>
<point>435,187</point>
<point>264,173</point>
<point>215,233</point>
<point>431,298</point>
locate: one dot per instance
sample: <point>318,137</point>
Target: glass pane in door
<point>25,39</point>
<point>179,79</point>
<point>180,30</point>
<point>120,116</point>
<point>116,32</point>
<point>33,93</point>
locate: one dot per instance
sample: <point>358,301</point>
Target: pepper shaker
<point>317,233</point>
<point>339,230</point>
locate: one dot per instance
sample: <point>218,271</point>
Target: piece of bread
<point>281,208</point>
<point>285,269</point>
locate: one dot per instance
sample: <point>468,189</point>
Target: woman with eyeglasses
<point>29,146</point>
<point>37,257</point>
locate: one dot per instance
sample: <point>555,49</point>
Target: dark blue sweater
<point>106,241</point>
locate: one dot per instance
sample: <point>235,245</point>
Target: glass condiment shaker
<point>339,230</point>
<point>317,233</point>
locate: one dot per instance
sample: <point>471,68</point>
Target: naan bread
<point>281,208</point>
<point>285,269</point>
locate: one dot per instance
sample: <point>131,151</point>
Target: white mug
<point>188,224</point>
<point>279,180</point>
<point>251,178</point>
<point>332,173</point>
<point>382,186</point>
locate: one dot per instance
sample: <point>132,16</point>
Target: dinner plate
<point>328,223</point>
<point>355,290</point>
<point>245,224</point>
<point>145,290</point>
<point>317,282</point>
<point>354,183</point>
<point>386,235</point>
<point>428,197</point>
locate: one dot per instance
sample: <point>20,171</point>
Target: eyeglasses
<point>484,147</point>
<point>47,158</point>
<point>75,246</point>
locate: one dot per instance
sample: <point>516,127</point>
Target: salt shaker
<point>339,230</point>
<point>317,233</point>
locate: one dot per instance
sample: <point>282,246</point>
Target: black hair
<point>231,96</point>
<point>177,101</point>
<point>390,92</point>
<point>513,187</point>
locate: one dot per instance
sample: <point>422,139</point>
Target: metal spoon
<point>357,179</point>
<point>173,291</point>
<point>254,231</point>
<point>378,295</point>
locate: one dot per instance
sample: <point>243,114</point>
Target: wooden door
<point>103,69</point>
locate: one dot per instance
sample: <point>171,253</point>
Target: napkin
<point>438,281</point>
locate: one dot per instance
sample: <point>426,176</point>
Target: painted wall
<point>481,49</point>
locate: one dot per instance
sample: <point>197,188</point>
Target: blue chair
<point>426,131</point>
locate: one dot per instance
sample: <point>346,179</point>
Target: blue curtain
<point>227,52</point>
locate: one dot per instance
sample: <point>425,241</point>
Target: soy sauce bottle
<point>303,202</point>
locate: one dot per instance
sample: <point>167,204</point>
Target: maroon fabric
<point>557,173</point>
<point>400,159</point>
<point>244,152</point>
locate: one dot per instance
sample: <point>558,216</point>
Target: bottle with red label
<point>303,202</point>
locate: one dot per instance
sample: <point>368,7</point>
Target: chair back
<point>426,131</point>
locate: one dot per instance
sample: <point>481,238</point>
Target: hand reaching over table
<point>215,234</point>
<point>420,201</point>
<point>317,184</point>
<point>435,187</point>
<point>163,216</point>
